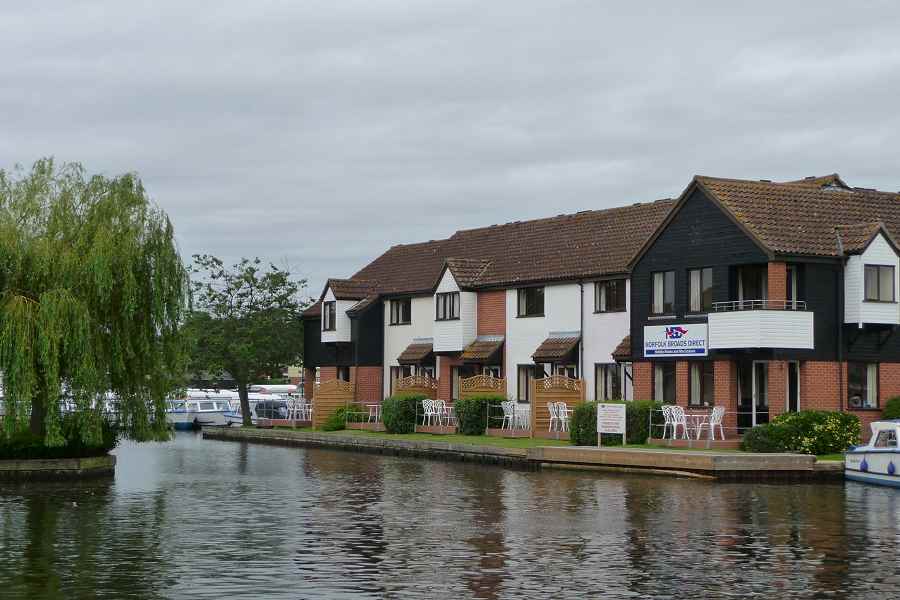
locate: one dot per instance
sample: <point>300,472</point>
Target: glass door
<point>745,396</point>
<point>760,392</point>
<point>793,391</point>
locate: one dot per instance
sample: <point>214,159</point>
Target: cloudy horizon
<point>318,134</point>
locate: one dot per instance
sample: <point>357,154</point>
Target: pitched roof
<point>465,271</point>
<point>554,349</point>
<point>786,218</point>
<point>483,348</point>
<point>623,350</point>
<point>855,238</point>
<point>823,181</point>
<point>415,353</point>
<point>350,289</point>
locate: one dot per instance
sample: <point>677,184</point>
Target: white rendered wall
<point>398,337</point>
<point>341,331</point>
<point>602,333</point>
<point>455,335</point>
<point>856,309</point>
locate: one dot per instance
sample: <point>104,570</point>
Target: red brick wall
<point>444,379</point>
<point>491,313</point>
<point>777,283</point>
<point>642,373</point>
<point>682,383</point>
<point>327,374</point>
<point>367,382</point>
<point>725,393</point>
<point>777,387</point>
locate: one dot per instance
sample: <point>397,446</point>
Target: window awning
<point>557,350</point>
<point>417,353</point>
<point>484,350</point>
<point>622,353</point>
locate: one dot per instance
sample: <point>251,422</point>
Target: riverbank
<point>537,454</point>
<point>57,468</point>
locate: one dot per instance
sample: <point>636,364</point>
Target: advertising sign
<point>676,340</point>
<point>610,419</point>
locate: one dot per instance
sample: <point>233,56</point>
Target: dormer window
<point>401,311</point>
<point>446,306</point>
<point>879,283</point>
<point>329,314</point>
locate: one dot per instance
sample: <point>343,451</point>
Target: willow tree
<point>92,292</point>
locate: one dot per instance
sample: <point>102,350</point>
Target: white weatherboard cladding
<point>341,331</point>
<point>524,335</point>
<point>602,333</point>
<point>761,329</point>
<point>454,335</point>
<point>856,309</point>
<point>398,337</point>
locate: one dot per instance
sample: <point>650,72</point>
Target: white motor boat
<point>266,406</point>
<point>878,461</point>
<point>200,408</point>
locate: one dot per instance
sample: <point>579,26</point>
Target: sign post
<point>610,419</point>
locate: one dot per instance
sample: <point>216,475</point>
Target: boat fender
<point>864,466</point>
<point>891,468</point>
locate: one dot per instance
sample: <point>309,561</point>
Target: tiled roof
<point>466,271</point>
<point>623,350</point>
<point>555,349</point>
<point>482,349</point>
<point>351,289</point>
<point>585,244</point>
<point>787,218</point>
<point>415,353</point>
<point>362,304</point>
<point>855,238</point>
<point>824,181</point>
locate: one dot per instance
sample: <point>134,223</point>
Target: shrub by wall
<point>23,445</point>
<point>806,432</point>
<point>583,423</point>
<point>398,412</point>
<point>472,412</point>
<point>337,420</point>
<point>891,408</point>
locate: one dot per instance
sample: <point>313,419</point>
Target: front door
<point>760,392</point>
<point>793,391</point>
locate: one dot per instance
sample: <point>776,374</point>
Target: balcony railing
<point>735,305</point>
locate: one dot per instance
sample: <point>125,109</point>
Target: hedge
<point>472,413</point>
<point>583,423</point>
<point>398,412</point>
<point>891,408</point>
<point>806,432</point>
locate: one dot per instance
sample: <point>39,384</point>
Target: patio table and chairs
<point>692,424</point>
<point>559,416</point>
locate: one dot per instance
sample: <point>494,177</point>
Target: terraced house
<point>758,296</point>
<point>519,301</point>
<point>768,297</point>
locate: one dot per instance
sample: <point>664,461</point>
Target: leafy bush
<point>337,420</point>
<point>399,412</point>
<point>357,413</point>
<point>24,445</point>
<point>891,408</point>
<point>806,432</point>
<point>583,423</point>
<point>472,413</point>
<point>763,438</point>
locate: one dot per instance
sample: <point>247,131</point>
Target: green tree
<point>92,293</point>
<point>246,320</point>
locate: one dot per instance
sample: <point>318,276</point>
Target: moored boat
<point>266,406</point>
<point>878,461</point>
<point>200,408</point>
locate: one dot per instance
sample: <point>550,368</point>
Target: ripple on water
<point>219,520</point>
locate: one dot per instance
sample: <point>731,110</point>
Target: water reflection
<point>219,520</point>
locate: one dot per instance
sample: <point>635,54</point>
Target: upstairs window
<point>701,289</point>
<point>663,293</point>
<point>447,306</point>
<point>329,314</point>
<point>609,296</point>
<point>531,302</point>
<point>400,311</point>
<point>879,283</point>
<point>862,385</point>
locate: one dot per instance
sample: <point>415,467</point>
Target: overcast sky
<point>320,133</point>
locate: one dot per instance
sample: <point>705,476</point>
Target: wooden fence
<point>480,385</point>
<point>330,395</point>
<point>556,388</point>
<point>417,384</point>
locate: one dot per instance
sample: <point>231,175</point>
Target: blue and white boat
<point>878,461</point>
<point>200,408</point>
<point>262,405</point>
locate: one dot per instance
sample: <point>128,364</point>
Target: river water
<point>202,519</point>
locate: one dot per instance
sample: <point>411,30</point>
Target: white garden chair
<point>667,420</point>
<point>509,414</point>
<point>679,418</point>
<point>522,415</point>
<point>441,412</point>
<point>428,413</point>
<point>554,415</point>
<point>563,412</point>
<point>715,420</point>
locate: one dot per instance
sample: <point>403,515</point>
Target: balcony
<point>760,324</point>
